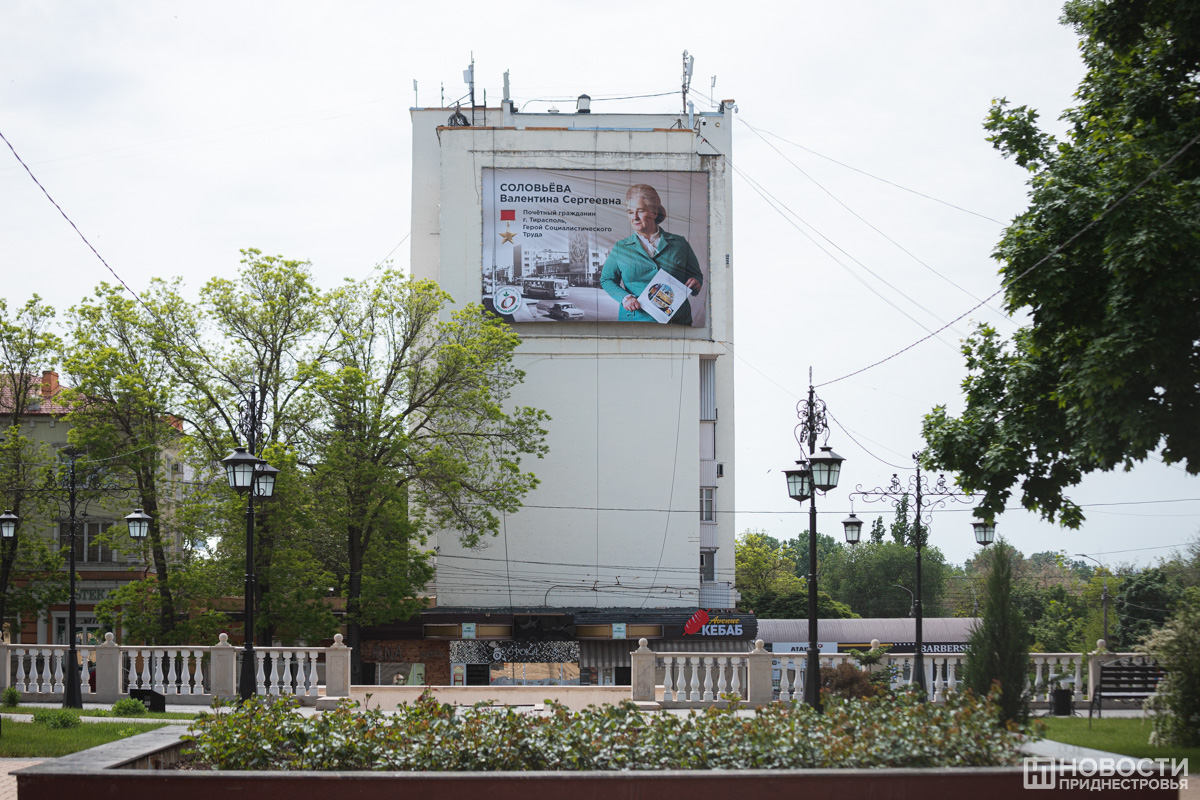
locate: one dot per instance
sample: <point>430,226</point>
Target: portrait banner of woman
<point>574,246</point>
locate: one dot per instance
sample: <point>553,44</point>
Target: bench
<point>1129,678</point>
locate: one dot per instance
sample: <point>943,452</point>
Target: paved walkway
<point>8,783</point>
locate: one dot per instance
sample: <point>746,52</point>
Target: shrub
<point>429,736</point>
<point>1176,648</point>
<point>846,680</point>
<point>56,718</point>
<point>10,697</point>
<point>128,707</point>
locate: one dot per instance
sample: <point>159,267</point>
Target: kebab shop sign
<point>704,624</point>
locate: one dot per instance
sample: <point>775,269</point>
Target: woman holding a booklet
<point>632,273</point>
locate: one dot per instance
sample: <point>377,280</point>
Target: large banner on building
<point>573,246</point>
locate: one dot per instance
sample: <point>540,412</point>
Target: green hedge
<point>896,731</point>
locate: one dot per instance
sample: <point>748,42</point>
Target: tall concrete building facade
<point>627,343</point>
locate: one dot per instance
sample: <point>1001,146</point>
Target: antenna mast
<point>688,62</point>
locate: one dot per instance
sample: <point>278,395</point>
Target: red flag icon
<point>510,214</point>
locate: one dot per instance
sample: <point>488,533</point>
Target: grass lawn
<point>1128,736</point>
<point>31,740</point>
<point>102,712</point>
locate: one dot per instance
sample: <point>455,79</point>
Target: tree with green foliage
<point>797,550</point>
<point>28,346</point>
<point>762,564</point>
<point>264,332</point>
<point>877,531</point>
<point>1142,604</point>
<point>1101,377</point>
<point>414,433</point>
<point>878,579</point>
<point>1176,648</point>
<point>998,650</point>
<point>121,396</point>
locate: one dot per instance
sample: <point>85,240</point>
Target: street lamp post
<point>819,474</point>
<point>249,475</point>
<point>81,491</point>
<point>926,498</point>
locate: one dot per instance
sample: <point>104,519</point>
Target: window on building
<point>708,566</point>
<point>706,504</point>
<point>89,544</point>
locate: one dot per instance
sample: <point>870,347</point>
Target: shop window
<point>401,673</point>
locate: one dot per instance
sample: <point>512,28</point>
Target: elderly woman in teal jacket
<point>635,260</point>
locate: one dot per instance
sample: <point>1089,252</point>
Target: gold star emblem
<point>508,235</point>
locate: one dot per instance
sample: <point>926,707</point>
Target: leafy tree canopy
<point>1104,263</point>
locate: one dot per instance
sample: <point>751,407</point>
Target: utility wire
<point>72,224</point>
<point>864,221</point>
<point>1009,282</point>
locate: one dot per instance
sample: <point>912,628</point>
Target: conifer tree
<point>998,651</point>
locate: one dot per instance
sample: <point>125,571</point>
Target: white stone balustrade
<point>187,674</point>
<point>701,678</point>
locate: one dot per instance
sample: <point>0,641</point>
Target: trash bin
<point>152,700</point>
<point>1062,703</point>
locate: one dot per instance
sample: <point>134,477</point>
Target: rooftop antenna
<point>416,101</point>
<point>688,62</point>
<point>469,78</point>
<point>712,91</point>
<point>506,97</point>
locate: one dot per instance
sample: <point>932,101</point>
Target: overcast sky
<point>175,133</point>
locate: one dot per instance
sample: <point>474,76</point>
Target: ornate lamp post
<point>925,498</point>
<point>81,490</point>
<point>249,475</point>
<point>819,474</point>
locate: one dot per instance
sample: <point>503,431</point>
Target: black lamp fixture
<point>985,531</point>
<point>240,468</point>
<point>264,480</point>
<point>826,469</point>
<point>799,482</point>
<point>139,523</point>
<point>8,524</point>
<point>852,525</point>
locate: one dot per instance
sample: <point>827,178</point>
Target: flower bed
<point>427,736</point>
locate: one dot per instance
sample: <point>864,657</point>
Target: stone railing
<point>193,675</point>
<point>697,679</point>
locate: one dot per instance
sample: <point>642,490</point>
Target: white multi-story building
<point>631,529</point>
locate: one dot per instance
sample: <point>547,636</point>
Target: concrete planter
<point>133,769</point>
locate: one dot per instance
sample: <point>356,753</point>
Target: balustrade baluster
<point>172,679</point>
<point>939,686</point>
<point>668,683</point>
<point>694,694</point>
<point>145,656</point>
<point>197,683</point>
<point>54,680</point>
<point>273,686</point>
<point>288,677</point>
<point>735,681</point>
<point>157,656</point>
<point>312,674</point>
<point>261,677</point>
<point>85,683</point>
<point>722,685</point>
<point>952,674</point>
<point>1078,687</point>
<point>21,682</point>
<point>681,692</point>
<point>707,661</point>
